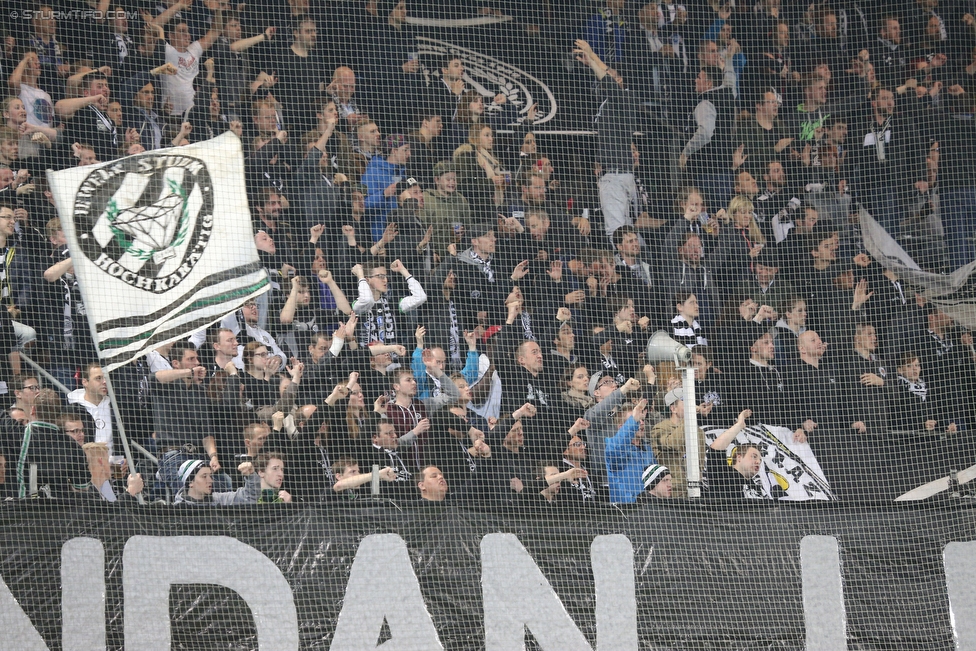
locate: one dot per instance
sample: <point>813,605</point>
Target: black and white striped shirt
<point>690,335</point>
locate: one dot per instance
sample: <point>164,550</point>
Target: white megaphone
<point>662,348</point>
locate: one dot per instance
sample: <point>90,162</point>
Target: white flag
<point>790,471</point>
<point>954,294</point>
<point>161,242</point>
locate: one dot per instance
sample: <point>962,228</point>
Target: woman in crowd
<point>482,178</point>
<point>740,243</point>
<point>33,139</point>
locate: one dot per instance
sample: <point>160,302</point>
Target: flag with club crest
<point>161,243</point>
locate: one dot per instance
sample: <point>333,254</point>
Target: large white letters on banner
<point>515,592</point>
<point>517,596</point>
<point>391,594</point>
<point>18,630</point>
<point>151,564</point>
<point>83,595</point>
<point>960,568</point>
<point>823,593</point>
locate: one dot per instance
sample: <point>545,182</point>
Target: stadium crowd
<point>468,311</point>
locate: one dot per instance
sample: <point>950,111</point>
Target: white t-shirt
<point>40,108</point>
<point>178,88</point>
<point>157,362</point>
<point>101,413</point>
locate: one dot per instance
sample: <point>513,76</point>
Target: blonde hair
<point>743,203</point>
<point>474,133</point>
<point>95,451</point>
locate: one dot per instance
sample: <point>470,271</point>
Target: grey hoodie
<point>602,418</point>
<point>247,495</point>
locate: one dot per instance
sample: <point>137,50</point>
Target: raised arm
<point>214,32</point>
<point>342,303</point>
<point>287,314</point>
<point>585,54</point>
<point>722,442</point>
<point>417,294</point>
<point>364,301</point>
<point>386,474</point>
<point>166,16</point>
<point>66,108</point>
<point>58,269</point>
<point>18,74</point>
<point>246,43</point>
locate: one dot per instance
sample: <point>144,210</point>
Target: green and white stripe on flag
<point>161,243</point>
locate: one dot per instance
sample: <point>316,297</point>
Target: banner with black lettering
<point>161,242</point>
<point>789,471</point>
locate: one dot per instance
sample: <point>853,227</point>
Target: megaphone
<point>662,348</point>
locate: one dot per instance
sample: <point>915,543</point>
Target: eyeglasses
<point>577,444</point>
<point>261,354</point>
<point>607,383</point>
<point>250,305</point>
<point>32,387</point>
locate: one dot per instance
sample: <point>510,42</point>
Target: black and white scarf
<point>916,388</point>
<point>583,484</point>
<point>397,463</point>
<point>485,266</point>
<point>381,324</point>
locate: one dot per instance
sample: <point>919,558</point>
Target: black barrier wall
<point>703,578</point>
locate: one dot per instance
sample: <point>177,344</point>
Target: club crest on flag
<point>161,243</point>
<point>146,220</point>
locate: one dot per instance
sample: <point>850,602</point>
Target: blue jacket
<point>425,386</point>
<point>626,463</point>
<point>378,176</point>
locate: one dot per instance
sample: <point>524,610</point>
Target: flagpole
<point>111,395</point>
<point>121,427</point>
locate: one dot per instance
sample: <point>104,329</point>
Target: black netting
<point>587,271</point>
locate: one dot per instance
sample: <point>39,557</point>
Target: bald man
<point>343,92</point>
<point>822,414</point>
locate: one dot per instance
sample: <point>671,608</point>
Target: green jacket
<point>444,212</point>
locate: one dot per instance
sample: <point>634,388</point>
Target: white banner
<point>790,470</point>
<point>162,243</point>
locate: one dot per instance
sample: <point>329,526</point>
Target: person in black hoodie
<point>392,72</point>
<point>826,416</point>
<point>707,154</point>
<point>456,444</point>
<point>512,476</point>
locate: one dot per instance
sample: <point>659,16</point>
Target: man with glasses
<point>94,398</point>
<point>25,391</point>
<point>244,320</point>
<point>602,418</point>
<point>76,419</point>
<point>573,457</point>
<point>17,416</point>
<point>375,306</point>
